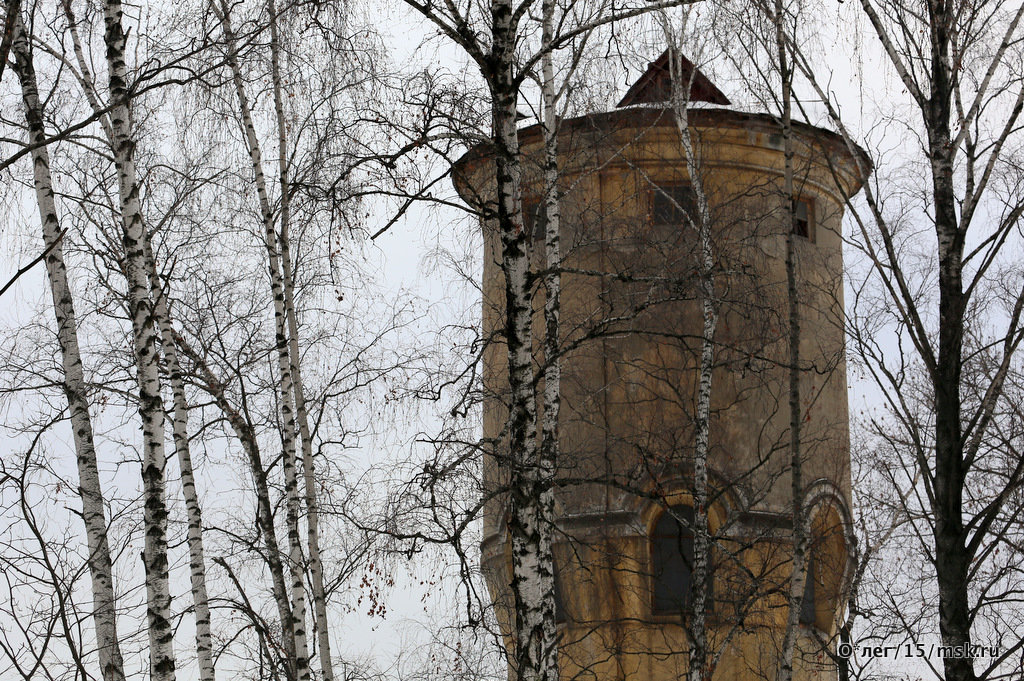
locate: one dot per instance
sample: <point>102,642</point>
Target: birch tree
<point>530,504</point>
<point>180,431</point>
<point>530,496</point>
<point>699,668</point>
<point>176,322</point>
<point>297,624</point>
<point>717,268</point>
<point>549,444</point>
<point>146,348</point>
<point>304,142</point>
<point>798,576</point>
<point>301,418</point>
<point>74,384</point>
<point>962,82</point>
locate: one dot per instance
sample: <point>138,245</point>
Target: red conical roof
<point>655,85</point>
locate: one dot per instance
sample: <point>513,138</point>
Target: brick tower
<point>631,323</point>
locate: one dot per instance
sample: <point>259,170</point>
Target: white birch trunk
<point>158,596</point>
<point>800,531</point>
<point>308,474</point>
<point>288,460</point>
<point>197,556</point>
<point>288,433</point>
<point>531,503</point>
<point>85,73</point>
<point>699,668</point>
<point>549,447</point>
<point>108,648</point>
<point>301,415</point>
<point>197,560</point>
<point>264,510</point>
<point>553,256</point>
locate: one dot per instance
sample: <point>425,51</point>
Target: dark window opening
<point>673,205</point>
<point>535,218</point>
<point>808,608</point>
<point>672,558</point>
<point>559,600</point>
<point>803,217</point>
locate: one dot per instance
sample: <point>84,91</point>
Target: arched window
<point>827,562</point>
<point>672,560</point>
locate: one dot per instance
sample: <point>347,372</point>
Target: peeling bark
<point>531,499</point>
<point>552,255</point>
<point>549,446</point>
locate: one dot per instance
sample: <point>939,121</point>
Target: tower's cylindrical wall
<point>632,323</point>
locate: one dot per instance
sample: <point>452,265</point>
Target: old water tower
<point>631,322</point>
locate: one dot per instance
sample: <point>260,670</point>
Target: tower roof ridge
<point>655,85</point>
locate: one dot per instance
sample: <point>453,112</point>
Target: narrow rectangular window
<point>535,218</point>
<point>803,218</point>
<point>672,561</point>
<point>808,608</point>
<point>559,599</point>
<point>673,205</point>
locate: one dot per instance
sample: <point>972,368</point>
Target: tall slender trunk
<point>197,560</point>
<point>286,391</point>
<point>308,473</point>
<point>552,255</point>
<point>293,509</point>
<point>100,569</point>
<point>552,399</point>
<point>294,360</point>
<point>800,531</point>
<point>197,556</point>
<point>699,667</point>
<point>953,560</point>
<point>264,511</point>
<point>531,504</point>
<point>85,73</point>
<point>158,595</point>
